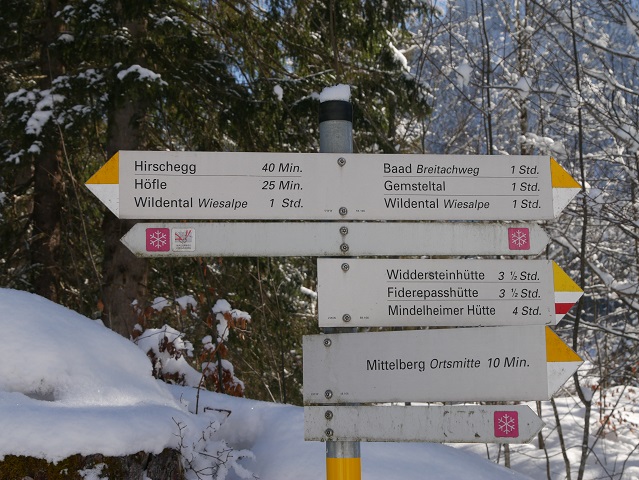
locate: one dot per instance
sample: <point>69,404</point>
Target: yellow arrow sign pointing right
<point>564,187</point>
<point>561,360</point>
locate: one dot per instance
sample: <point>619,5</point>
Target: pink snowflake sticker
<point>506,424</point>
<point>519,238</point>
<point>158,239</point>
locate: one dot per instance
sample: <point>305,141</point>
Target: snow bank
<point>69,385</point>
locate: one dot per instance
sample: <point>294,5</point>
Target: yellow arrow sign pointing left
<point>105,184</point>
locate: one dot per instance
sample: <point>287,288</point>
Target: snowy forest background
<point>82,79</point>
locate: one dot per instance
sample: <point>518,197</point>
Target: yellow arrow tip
<point>560,178</point>
<point>109,173</point>
<point>562,282</point>
<point>557,350</point>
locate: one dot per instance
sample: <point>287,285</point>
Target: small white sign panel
<point>420,292</point>
<point>432,423</point>
<point>319,239</point>
<point>447,365</point>
<point>262,186</point>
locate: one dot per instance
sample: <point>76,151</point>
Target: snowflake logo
<point>519,239</point>
<point>506,424</point>
<point>157,240</point>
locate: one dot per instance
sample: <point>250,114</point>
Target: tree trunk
<point>124,274</point>
<point>523,59</point>
<point>48,181</point>
<point>585,447</point>
<point>45,243</point>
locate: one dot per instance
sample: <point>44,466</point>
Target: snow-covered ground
<point>69,385</point>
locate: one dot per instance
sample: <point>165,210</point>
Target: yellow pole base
<point>343,469</point>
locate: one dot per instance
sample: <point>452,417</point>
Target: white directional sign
<point>433,423</point>
<point>326,186</point>
<point>456,365</point>
<point>333,239</point>
<point>420,292</point>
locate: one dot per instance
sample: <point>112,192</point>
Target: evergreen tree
<point>183,75</point>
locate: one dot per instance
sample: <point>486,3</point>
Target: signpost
<point>451,365</point>
<point>319,239</point>
<point>506,363</point>
<point>432,423</point>
<point>419,292</point>
<point>278,186</point>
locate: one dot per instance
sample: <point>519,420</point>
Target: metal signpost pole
<point>343,459</point>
